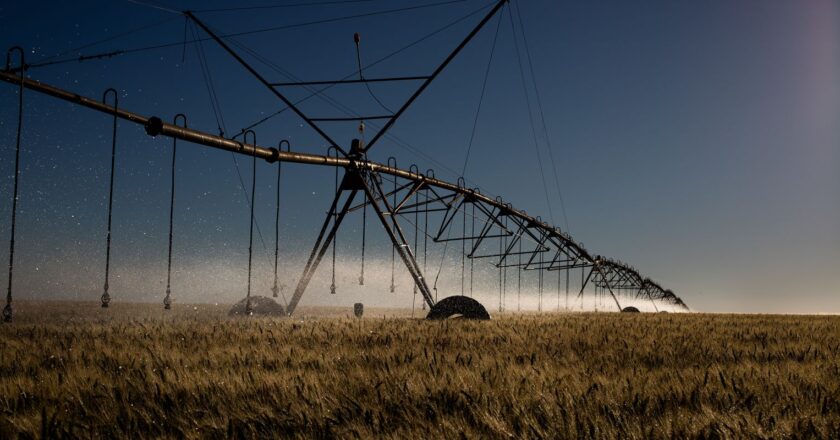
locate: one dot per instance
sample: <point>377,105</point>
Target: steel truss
<point>444,198</point>
<point>535,244</point>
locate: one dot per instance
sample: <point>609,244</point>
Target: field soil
<point>135,370</point>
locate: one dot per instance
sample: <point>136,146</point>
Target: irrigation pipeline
<point>155,126</point>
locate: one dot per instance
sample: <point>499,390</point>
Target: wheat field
<point>74,370</point>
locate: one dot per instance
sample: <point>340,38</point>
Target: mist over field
<point>224,282</point>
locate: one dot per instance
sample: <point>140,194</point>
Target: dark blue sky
<point>699,141</point>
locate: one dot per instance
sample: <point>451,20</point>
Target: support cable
<point>481,97</point>
<point>466,161</point>
<point>357,39</point>
<point>220,121</point>
<point>316,92</point>
<point>7,309</point>
<point>106,297</point>
<point>152,5</point>
<point>542,115</point>
<point>114,53</point>
<point>282,5</point>
<point>167,300</point>
<point>530,116</point>
<point>208,83</point>
<point>50,59</point>
<point>330,101</point>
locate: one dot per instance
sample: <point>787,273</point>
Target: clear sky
<point>699,141</point>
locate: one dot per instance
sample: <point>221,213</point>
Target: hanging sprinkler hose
<point>248,309</point>
<point>106,298</point>
<point>275,289</point>
<point>334,214</point>
<point>167,300</point>
<point>364,206</point>
<point>392,163</point>
<point>7,310</point>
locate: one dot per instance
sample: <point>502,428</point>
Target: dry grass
<point>134,371</point>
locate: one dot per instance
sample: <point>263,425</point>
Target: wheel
<point>630,309</point>
<point>260,305</point>
<point>458,307</point>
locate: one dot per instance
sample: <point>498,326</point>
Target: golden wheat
<point>134,370</point>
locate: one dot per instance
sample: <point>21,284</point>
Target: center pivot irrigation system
<point>411,206</point>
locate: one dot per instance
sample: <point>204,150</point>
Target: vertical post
<point>106,297</point>
<point>7,310</point>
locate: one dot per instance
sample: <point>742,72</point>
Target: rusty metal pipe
<point>155,126</point>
